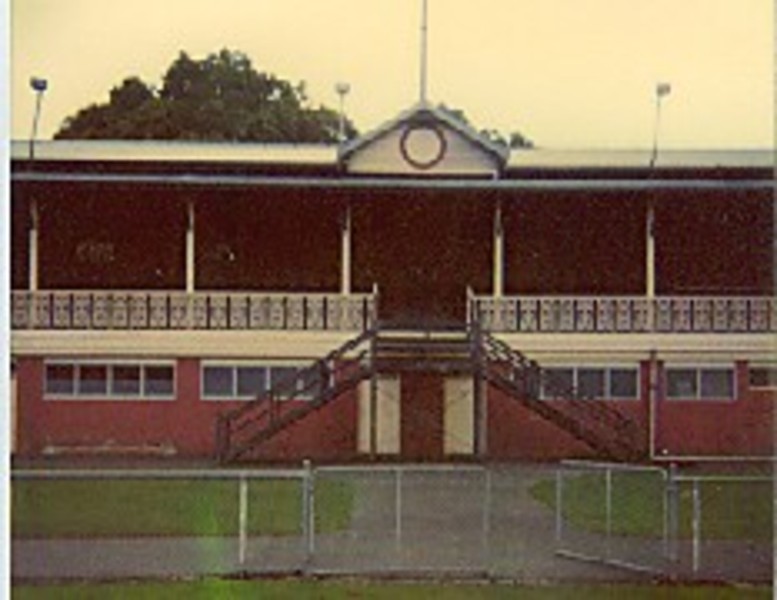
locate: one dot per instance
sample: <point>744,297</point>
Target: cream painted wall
<point>383,156</point>
<point>459,415</point>
<point>387,418</point>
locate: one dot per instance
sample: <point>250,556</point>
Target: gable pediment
<point>424,141</point>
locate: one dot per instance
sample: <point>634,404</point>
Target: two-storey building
<point>159,285</point>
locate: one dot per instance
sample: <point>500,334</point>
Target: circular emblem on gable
<point>423,145</point>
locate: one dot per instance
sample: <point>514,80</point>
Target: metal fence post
<point>243,519</point>
<point>696,527</point>
<point>398,507</point>
<point>607,510</point>
<point>308,511</point>
<point>559,506</point>
<point>672,513</point>
<point>487,518</point>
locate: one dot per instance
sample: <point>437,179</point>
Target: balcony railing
<point>155,310</point>
<point>623,314</point>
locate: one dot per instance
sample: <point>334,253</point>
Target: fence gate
<point>408,519</point>
<point>686,526</point>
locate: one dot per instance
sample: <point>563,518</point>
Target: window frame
<point>109,395</point>
<point>234,366</point>
<point>607,383</point>
<point>699,396</point>
<point>771,376</point>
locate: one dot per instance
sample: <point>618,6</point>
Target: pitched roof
<point>424,112</point>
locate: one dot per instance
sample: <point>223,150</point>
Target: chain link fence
<point>686,526</point>
<point>509,521</point>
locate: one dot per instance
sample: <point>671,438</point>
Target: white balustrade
<point>161,310</point>
<point>629,314</point>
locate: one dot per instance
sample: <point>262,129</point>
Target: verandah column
<point>650,263</point>
<point>345,253</point>
<point>190,252</point>
<point>498,270</point>
<point>32,242</point>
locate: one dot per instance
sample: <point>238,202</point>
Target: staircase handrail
<point>289,381</point>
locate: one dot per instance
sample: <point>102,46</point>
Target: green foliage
<point>515,140</point>
<point>67,508</point>
<point>220,98</point>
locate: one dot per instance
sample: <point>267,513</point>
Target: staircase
<point>423,351</point>
<point>600,426</point>
<point>242,431</point>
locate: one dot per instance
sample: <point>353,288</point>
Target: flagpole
<point>424,27</point>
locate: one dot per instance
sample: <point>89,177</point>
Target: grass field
<point>68,508</point>
<point>337,590</point>
<point>730,511</point>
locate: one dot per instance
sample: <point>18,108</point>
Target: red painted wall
<point>186,423</point>
<point>685,428</point>
<point>421,416</point>
<point>742,426</point>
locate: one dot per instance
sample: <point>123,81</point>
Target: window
<point>590,383</point>
<point>245,382</point>
<point>763,377</point>
<point>700,383</point>
<point>158,381</point>
<point>681,383</point>
<point>60,379</point>
<point>92,380</point>
<point>557,382</point>
<point>218,382</point>
<point>108,381</point>
<point>251,381</point>
<point>126,380</point>
<point>623,383</point>
<point>603,383</point>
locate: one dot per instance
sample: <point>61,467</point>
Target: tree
<point>220,98</point>
<point>516,139</point>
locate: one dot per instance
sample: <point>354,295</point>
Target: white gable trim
<point>424,141</point>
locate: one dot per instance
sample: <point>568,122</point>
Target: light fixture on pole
<point>342,88</point>
<point>39,86</point>
<point>662,89</point>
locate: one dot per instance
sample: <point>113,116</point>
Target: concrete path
<point>466,524</point>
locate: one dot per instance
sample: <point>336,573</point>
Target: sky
<point>566,73</point>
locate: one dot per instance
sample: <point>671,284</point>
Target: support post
<point>652,403</point>
<point>243,520</point>
<point>608,510</point>
<point>498,280</point>
<point>650,265</point>
<point>345,253</point>
<point>480,393</point>
<point>696,527</point>
<point>308,511</point>
<point>672,514</point>
<point>559,506</point>
<point>398,508</point>
<point>487,493</point>
<point>33,246</point>
<point>190,249</point>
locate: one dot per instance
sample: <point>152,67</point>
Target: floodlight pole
<point>39,86</point>
<point>662,89</point>
<point>342,89</point>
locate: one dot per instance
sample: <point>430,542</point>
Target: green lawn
<point>729,510</point>
<point>169,507</point>
<point>336,590</point>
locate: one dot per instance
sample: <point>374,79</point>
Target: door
<point>421,418</point>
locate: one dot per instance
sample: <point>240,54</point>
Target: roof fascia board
<point>398,183</point>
